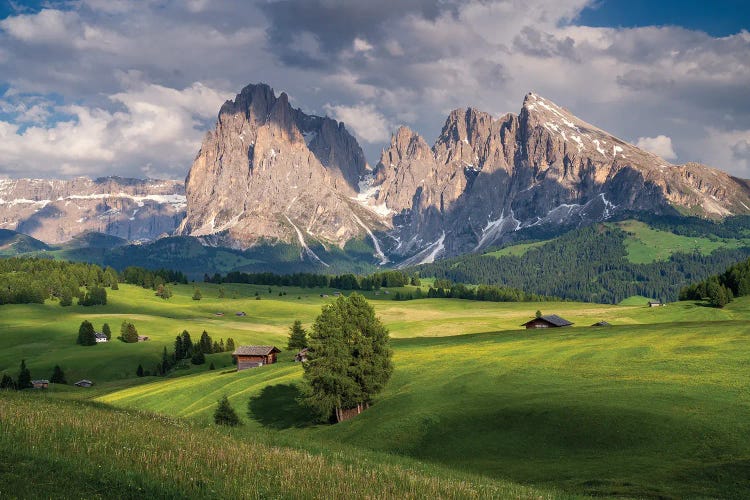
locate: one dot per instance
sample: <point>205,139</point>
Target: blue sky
<point>129,87</point>
<point>717,18</point>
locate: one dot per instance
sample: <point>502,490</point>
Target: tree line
<point>347,281</point>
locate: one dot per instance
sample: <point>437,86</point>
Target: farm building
<point>655,303</point>
<point>84,383</point>
<point>100,337</point>
<point>301,356</point>
<point>142,338</point>
<point>547,321</point>
<point>601,323</point>
<point>253,356</point>
<point>40,384</point>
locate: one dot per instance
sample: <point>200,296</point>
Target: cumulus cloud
<point>157,125</point>
<point>661,145</point>
<point>121,67</point>
<point>364,120</point>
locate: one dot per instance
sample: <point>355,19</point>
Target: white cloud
<point>158,125</point>
<point>661,145</point>
<point>364,120</point>
<point>362,45</point>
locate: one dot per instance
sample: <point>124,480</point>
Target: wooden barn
<point>40,384</point>
<point>301,357</point>
<point>547,321</point>
<point>253,356</point>
<point>654,303</point>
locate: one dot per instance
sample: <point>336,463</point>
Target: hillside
<point>605,263</point>
<point>614,402</point>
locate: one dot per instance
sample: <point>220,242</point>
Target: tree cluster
<point>128,332</point>
<point>720,289</point>
<point>145,278</point>
<point>26,280</point>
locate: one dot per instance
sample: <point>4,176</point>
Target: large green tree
<point>225,414</point>
<point>128,332</point>
<point>86,334</point>
<point>349,358</point>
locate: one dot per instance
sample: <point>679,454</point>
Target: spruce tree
<point>198,358</point>
<point>106,330</point>
<point>206,345</point>
<point>24,377</point>
<point>230,345</point>
<point>225,414</point>
<point>187,345</point>
<point>128,332</point>
<point>197,294</point>
<point>58,377</point>
<point>7,382</point>
<point>86,334</point>
<point>297,336</point>
<point>179,350</point>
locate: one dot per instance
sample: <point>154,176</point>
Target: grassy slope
<point>645,244</point>
<point>104,453</point>
<point>653,406</point>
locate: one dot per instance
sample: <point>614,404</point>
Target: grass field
<point>655,405</point>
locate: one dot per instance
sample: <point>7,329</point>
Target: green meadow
<point>654,406</point>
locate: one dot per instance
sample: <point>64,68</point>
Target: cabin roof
<point>552,319</point>
<point>255,350</point>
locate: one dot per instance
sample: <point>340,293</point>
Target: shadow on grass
<point>277,407</point>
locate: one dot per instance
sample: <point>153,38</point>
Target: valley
<point>650,406</point>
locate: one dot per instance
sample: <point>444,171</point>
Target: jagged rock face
<point>56,211</point>
<point>487,177</point>
<point>270,172</point>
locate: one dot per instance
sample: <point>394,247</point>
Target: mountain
<point>13,243</point>
<point>486,178</point>
<point>269,173</point>
<point>59,211</point>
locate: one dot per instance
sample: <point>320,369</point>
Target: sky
<point>130,87</point>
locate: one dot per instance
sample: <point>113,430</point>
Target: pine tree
<point>187,345</point>
<point>7,382</point>
<point>107,331</point>
<point>139,370</point>
<point>225,414</point>
<point>197,294</point>
<point>86,334</point>
<point>128,332</point>
<point>198,358</point>
<point>297,336</point>
<point>206,346</point>
<point>349,360</point>
<point>58,377</point>
<point>538,313</point>
<point>24,377</point>
<point>230,345</point>
<point>179,350</point>
<point>221,346</point>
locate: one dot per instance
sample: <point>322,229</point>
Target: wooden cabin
<point>654,303</point>
<point>547,321</point>
<point>84,383</point>
<point>301,356</point>
<point>253,356</point>
<point>40,384</point>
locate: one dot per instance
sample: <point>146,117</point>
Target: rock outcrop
<point>271,173</point>
<point>57,211</point>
